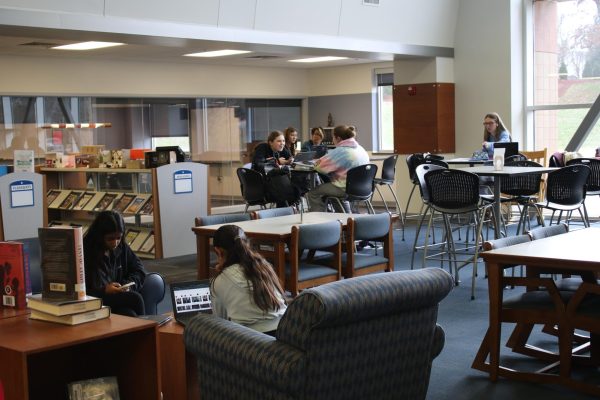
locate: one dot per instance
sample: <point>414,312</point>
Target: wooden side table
<point>178,367</point>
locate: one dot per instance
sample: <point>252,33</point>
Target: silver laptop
<point>305,156</point>
<point>189,299</point>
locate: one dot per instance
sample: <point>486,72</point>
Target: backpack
<point>279,187</point>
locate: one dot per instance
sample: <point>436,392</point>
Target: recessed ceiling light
<point>318,59</point>
<point>217,53</point>
<point>87,45</point>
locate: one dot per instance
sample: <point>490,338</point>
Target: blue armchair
<point>371,337</point>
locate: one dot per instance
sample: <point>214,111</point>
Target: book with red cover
<point>14,275</point>
<point>63,272</point>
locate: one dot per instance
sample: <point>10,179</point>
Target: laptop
<point>510,148</point>
<point>305,156</point>
<point>190,299</point>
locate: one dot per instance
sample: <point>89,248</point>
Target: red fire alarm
<point>412,90</point>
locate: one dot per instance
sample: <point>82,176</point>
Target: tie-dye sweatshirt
<point>336,163</point>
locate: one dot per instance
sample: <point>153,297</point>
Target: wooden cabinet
<point>424,118</point>
<point>40,358</point>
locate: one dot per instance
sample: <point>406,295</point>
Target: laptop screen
<point>191,297</point>
<point>511,148</point>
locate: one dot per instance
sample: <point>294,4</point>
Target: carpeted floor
<point>464,320</point>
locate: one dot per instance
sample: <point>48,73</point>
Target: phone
<point>128,284</point>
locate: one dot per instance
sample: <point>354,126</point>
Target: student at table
<point>335,165</point>
<point>110,263</point>
<point>317,136</point>
<point>271,154</point>
<point>493,131</point>
<point>291,138</point>
<point>246,289</point>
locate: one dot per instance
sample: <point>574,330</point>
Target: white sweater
<point>232,299</point>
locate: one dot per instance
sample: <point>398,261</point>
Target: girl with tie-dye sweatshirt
<point>335,164</point>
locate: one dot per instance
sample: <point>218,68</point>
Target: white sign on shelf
<point>21,194</point>
<point>182,181</point>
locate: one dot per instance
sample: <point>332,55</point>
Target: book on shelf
<point>70,200</point>
<point>123,202</point>
<point>23,161</point>
<point>56,223</point>
<point>63,307</point>
<point>94,201</point>
<point>52,195</point>
<point>94,389</point>
<point>72,319</point>
<point>148,207</point>
<point>63,273</point>
<point>148,245</point>
<point>130,235</point>
<point>139,240</point>
<point>106,202</point>
<point>135,205</point>
<point>60,197</point>
<point>83,200</point>
<point>14,275</point>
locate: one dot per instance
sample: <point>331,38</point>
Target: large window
<point>385,111</point>
<point>566,72</point>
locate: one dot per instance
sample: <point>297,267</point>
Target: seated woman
<point>246,289</point>
<point>110,264</point>
<point>317,136</point>
<point>493,131</point>
<point>271,154</point>
<point>291,138</point>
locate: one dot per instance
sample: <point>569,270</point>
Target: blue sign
<point>21,194</point>
<point>182,181</point>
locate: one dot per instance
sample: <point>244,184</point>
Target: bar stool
<point>388,175</point>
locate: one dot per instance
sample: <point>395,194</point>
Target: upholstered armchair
<point>370,337</point>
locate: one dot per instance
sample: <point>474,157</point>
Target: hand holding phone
<point>127,285</point>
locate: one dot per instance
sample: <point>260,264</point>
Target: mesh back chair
<point>221,219</point>
<point>359,187</point>
<point>388,176</point>
<point>420,172</point>
<point>454,192</point>
<point>252,185</point>
<point>565,192</point>
<point>540,157</point>
<point>273,212</point>
<point>593,182</point>
<point>523,190</point>
<point>516,157</point>
<point>412,162</point>
<point>302,274</point>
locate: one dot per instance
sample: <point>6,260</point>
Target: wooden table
<point>489,170</point>
<point>178,368</point>
<point>573,252</point>
<point>40,358</point>
<point>277,230</point>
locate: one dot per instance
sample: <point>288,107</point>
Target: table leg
<point>203,256</point>
<point>280,261</point>
<point>497,209</point>
<point>495,293</point>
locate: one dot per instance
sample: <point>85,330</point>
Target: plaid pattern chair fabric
<point>371,337</point>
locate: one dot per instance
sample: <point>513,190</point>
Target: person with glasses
<point>493,131</point>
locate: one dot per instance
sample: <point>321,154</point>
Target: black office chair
<point>593,182</point>
<point>565,192</point>
<point>359,187</point>
<point>252,185</point>
<point>388,176</point>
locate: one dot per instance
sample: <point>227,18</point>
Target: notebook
<point>189,299</point>
<point>305,156</point>
<point>510,148</point>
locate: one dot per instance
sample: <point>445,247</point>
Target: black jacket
<point>264,156</point>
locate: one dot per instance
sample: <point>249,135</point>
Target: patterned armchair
<point>371,337</point>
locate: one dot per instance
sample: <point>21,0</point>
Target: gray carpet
<point>464,321</point>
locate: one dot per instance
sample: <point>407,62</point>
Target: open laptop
<point>189,299</point>
<point>305,156</point>
<point>510,148</point>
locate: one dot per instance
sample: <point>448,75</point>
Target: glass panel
<point>554,129</point>
<point>386,117</point>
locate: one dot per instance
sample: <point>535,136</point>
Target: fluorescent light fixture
<point>318,59</point>
<point>217,53</point>
<point>87,45</point>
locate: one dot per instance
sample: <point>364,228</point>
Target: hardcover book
<point>123,202</point>
<point>63,273</point>
<point>106,202</point>
<point>14,274</point>
<point>63,307</point>
<point>97,389</point>
<point>72,319</point>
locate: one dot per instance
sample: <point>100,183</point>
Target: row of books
<point>125,203</point>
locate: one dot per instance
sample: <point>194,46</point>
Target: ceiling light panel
<point>87,46</point>
<point>217,53</point>
<point>318,59</point>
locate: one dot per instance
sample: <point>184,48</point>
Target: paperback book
<point>135,205</point>
<point>14,275</point>
<point>72,319</point>
<point>148,245</point>
<point>83,200</point>
<point>51,196</point>
<point>148,207</point>
<point>70,200</point>
<point>63,273</point>
<point>123,202</point>
<point>63,307</point>
<point>106,202</point>
<point>94,389</point>
<point>130,235</point>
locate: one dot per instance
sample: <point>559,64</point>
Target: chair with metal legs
<point>388,176</point>
<point>593,183</point>
<point>359,187</point>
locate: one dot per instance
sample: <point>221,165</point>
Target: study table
<point>276,230</point>
<point>489,170</point>
<point>574,252</point>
